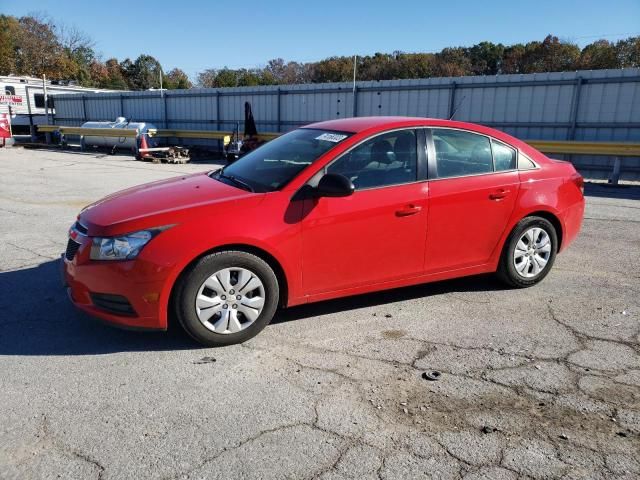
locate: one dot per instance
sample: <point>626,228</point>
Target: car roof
<point>359,124</point>
<point>372,125</point>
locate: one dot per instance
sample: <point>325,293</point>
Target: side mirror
<point>334,185</point>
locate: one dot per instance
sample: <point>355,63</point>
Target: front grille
<point>80,228</point>
<point>72,249</point>
<point>116,304</point>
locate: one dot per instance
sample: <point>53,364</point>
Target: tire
<point>206,292</point>
<point>512,270</point>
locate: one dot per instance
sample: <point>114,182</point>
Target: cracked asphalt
<point>536,383</point>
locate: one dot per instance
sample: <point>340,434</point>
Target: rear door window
<point>504,157</point>
<point>460,153</point>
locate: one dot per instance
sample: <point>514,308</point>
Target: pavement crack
<point>236,446</point>
<point>56,443</point>
<point>581,337</point>
<point>32,252</point>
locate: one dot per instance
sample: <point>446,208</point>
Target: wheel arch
<point>546,214</point>
<point>553,219</point>
<point>261,253</point>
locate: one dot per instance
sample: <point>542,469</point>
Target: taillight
<point>579,181</point>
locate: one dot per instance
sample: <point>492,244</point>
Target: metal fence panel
<point>602,105</point>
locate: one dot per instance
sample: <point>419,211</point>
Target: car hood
<point>159,203</point>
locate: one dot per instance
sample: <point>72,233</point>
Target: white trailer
<point>24,98</point>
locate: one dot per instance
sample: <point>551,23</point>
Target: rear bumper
<point>572,221</point>
<point>139,282</point>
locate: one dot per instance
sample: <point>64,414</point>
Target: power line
<point>608,35</point>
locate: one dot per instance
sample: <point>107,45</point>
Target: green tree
<point>414,65</point>
<point>486,58</point>
<point>380,66</point>
<point>144,73</point>
<point>226,77</point>
<point>333,69</point>
<point>599,54</point>
<point>9,28</point>
<point>550,55</point>
<point>249,77</point>
<point>628,52</point>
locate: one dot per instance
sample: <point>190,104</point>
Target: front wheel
<point>529,252</point>
<point>226,298</point>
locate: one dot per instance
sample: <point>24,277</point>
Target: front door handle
<point>499,194</point>
<point>408,210</point>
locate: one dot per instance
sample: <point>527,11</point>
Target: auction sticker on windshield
<point>331,137</point>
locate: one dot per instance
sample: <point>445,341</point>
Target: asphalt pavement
<point>536,383</point>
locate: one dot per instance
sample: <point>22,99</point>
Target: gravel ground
<point>535,383</point>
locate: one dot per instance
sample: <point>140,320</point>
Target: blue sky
<point>195,35</point>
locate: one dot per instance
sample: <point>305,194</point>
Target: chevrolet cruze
<point>332,209</point>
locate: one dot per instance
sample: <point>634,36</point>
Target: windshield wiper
<point>236,180</point>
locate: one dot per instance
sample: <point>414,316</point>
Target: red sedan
<point>336,208</point>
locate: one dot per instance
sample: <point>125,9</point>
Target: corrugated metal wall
<point>585,105</point>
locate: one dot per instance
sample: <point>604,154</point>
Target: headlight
<point>125,247</point>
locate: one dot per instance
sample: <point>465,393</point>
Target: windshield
<point>274,164</point>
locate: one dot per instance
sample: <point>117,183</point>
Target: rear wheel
<point>529,252</point>
<point>226,298</point>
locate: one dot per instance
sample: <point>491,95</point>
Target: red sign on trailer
<point>5,126</point>
<point>11,100</point>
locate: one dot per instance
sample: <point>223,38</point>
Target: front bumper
<point>139,281</point>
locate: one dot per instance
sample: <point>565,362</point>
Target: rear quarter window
<point>525,163</point>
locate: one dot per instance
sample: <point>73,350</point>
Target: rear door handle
<point>499,194</point>
<point>408,210</point>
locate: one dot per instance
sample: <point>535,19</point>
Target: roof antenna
<point>457,107</point>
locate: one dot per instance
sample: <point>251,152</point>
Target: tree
<point>226,78</point>
<point>557,56</point>
<point>276,70</point>
<point>249,77</point>
<point>513,59</point>
<point>333,69</point>
<point>597,55</point>
<point>144,73</point>
<point>115,76</point>
<point>9,28</point>
<point>39,51</point>
<point>176,79</point>
<point>78,47</point>
<point>486,58</point>
<point>628,53</point>
<point>414,65</point>
<point>380,66</point>
<point>207,78</point>
<point>99,74</point>
<point>452,62</point>
<point>550,55</point>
